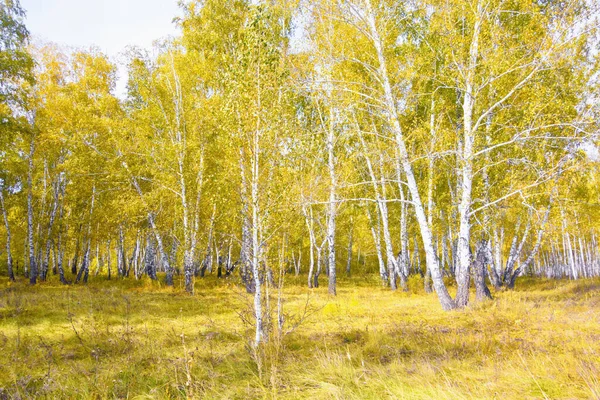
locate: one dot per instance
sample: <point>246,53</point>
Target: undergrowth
<point>140,339</point>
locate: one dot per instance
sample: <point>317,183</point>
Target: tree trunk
<point>349,257</point>
<point>99,260</point>
<point>60,259</point>
<point>57,189</point>
<point>431,165</point>
<point>150,259</point>
<point>256,245</point>
<point>85,266</point>
<point>394,122</point>
<point>9,259</point>
<point>75,260</point>
<point>516,248</point>
<point>534,251</point>
<point>464,206</point>
<point>87,262</point>
<point>319,264</point>
<point>218,251</point>
<point>31,250</point>
<point>427,281</point>
<point>376,233</point>
<point>379,189</point>
<point>59,246</point>
<point>308,217</point>
<point>482,258</point>
<point>108,259</point>
<point>246,246</point>
<point>332,206</point>
<point>298,263</point>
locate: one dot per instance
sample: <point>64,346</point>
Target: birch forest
<point>306,199</point>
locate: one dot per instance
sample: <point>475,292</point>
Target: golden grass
<point>139,339</point>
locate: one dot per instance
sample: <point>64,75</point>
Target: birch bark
<point>393,121</point>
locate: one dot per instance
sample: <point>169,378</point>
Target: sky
<point>110,25</point>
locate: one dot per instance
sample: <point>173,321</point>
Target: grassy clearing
<point>138,339</point>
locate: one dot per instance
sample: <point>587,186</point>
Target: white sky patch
<point>110,25</point>
<point>300,37</point>
<point>591,150</point>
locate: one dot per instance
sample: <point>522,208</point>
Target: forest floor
<point>140,339</point>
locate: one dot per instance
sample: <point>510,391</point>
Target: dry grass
<point>138,339</point>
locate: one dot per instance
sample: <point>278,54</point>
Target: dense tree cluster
<point>450,139</point>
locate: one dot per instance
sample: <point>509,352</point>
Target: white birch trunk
<point>331,207</point>
<point>383,214</point>
<point>392,116</point>
<point>163,254</point>
<point>258,311</point>
<point>313,243</point>
<point>464,206</point>
<point>376,232</point>
<point>31,250</point>
<point>9,259</point>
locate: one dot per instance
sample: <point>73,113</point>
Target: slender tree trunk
<point>427,282</point>
<point>32,265</point>
<point>54,259</point>
<point>59,245</point>
<point>163,254</point>
<point>534,251</point>
<point>164,258</point>
<point>431,165</point>
<point>9,260</point>
<point>464,206</point>
<point>378,187</point>
<point>108,259</point>
<point>75,260</point>
<point>150,259</point>
<point>404,248</point>
<point>515,252</point>
<point>208,260</point>
<point>87,262</point>
<point>308,217</point>
<point>297,262</point>
<point>349,257</point>
<point>85,266</point>
<point>188,257</point>
<point>60,254</point>
<point>133,261</point>
<point>496,260</point>
<point>320,262</point>
<point>392,114</point>
<point>188,270</point>
<point>99,260</point>
<point>256,246</point>
<point>57,188</point>
<point>483,257</point>
<point>39,236</point>
<point>331,209</point>
<point>376,232</point>
<point>246,246</point>
<point>417,257</point>
<point>219,260</point>
<point>497,265</point>
<point>122,253</point>
<point>25,259</point>
<point>190,253</point>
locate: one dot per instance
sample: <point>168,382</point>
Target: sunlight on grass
<point>139,339</point>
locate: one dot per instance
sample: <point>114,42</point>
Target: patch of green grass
<point>140,339</point>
